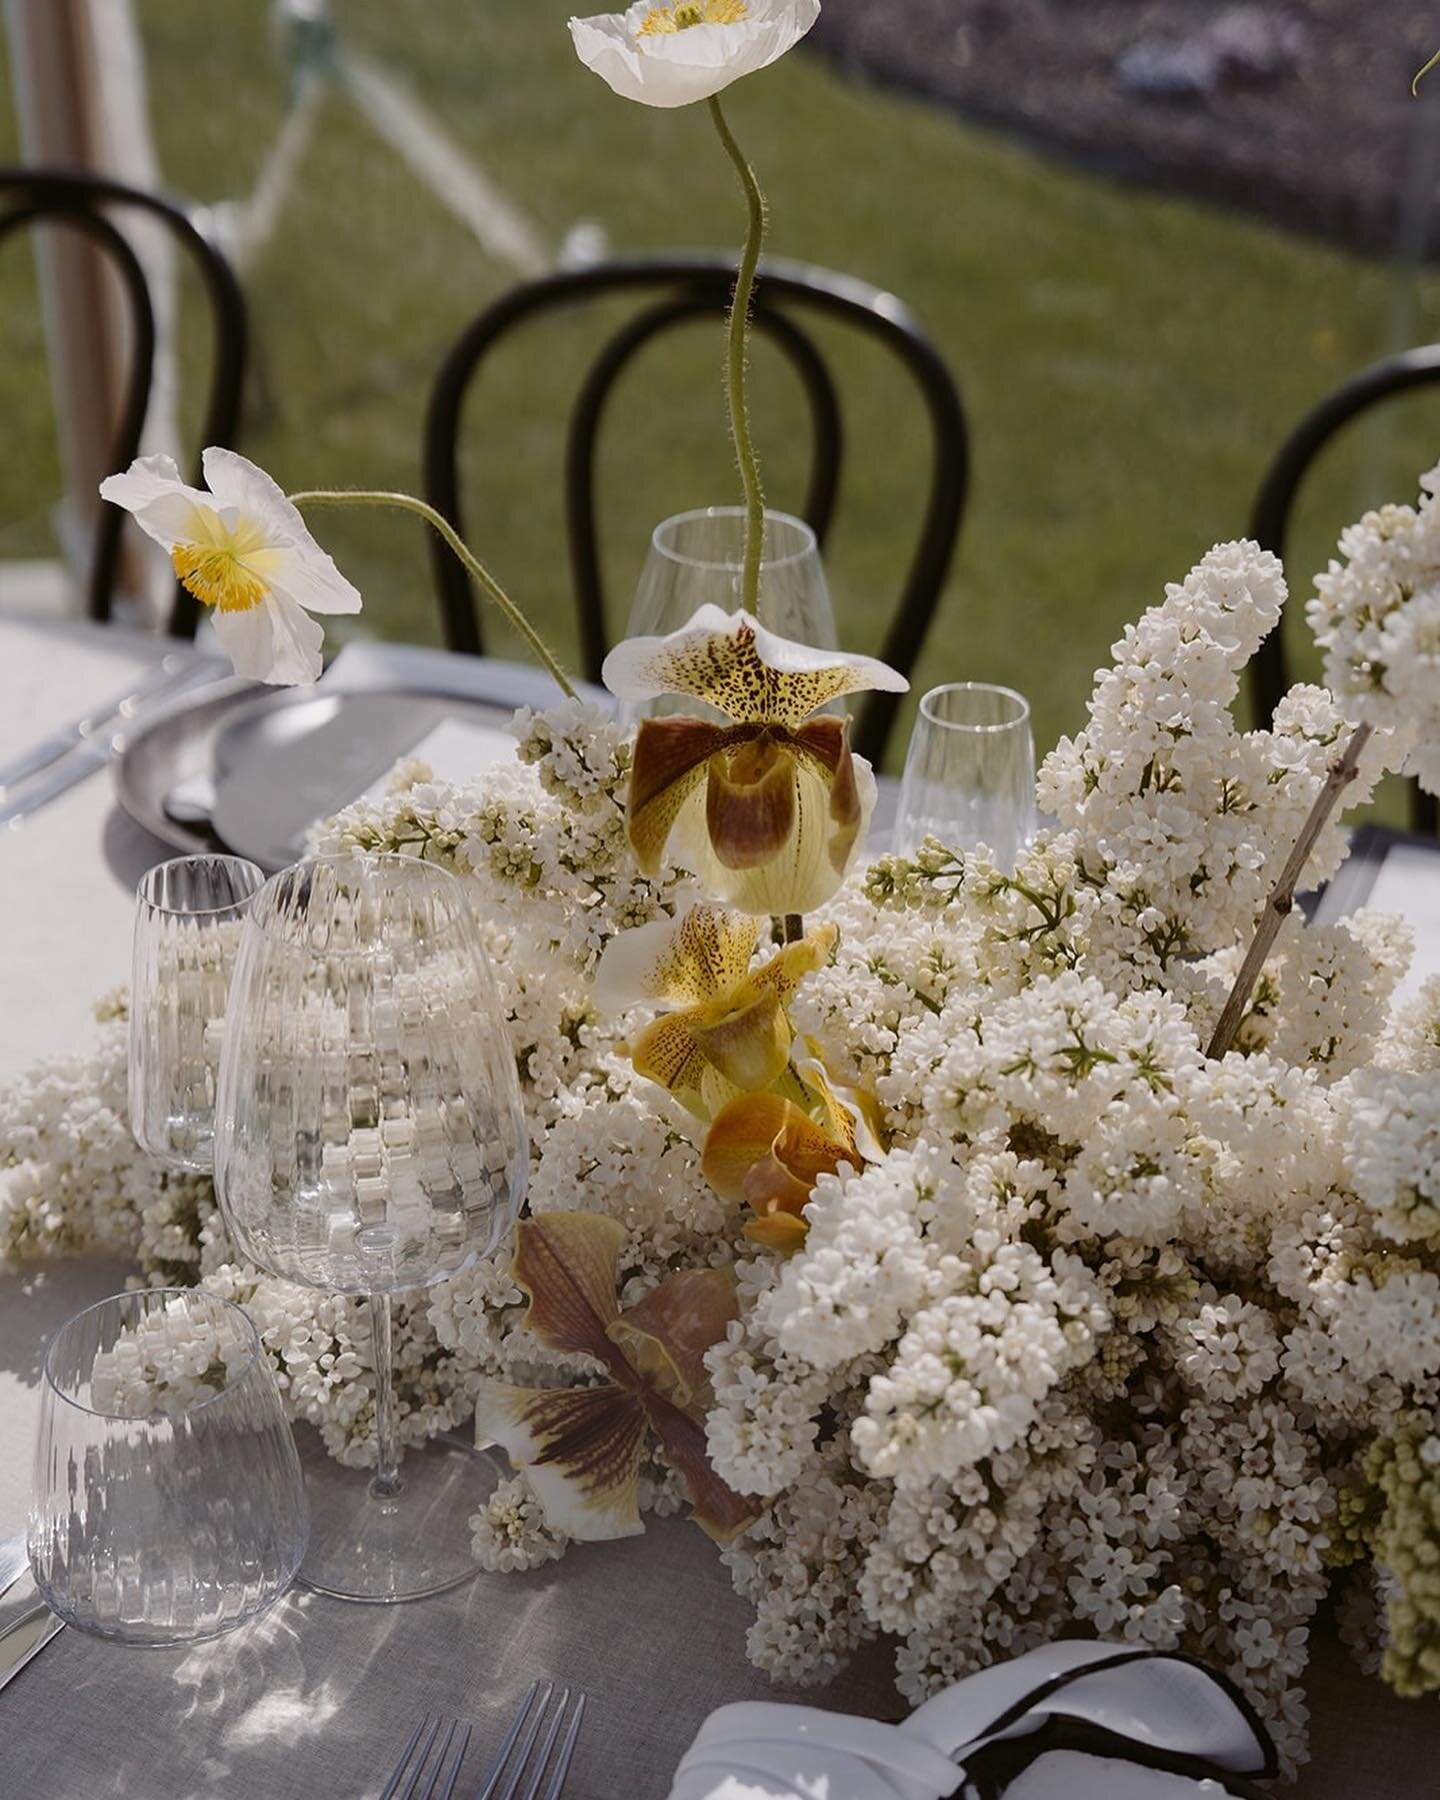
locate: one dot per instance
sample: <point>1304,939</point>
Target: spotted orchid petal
<point>580,1448</point>
<point>737,1038</point>
<point>241,547</point>
<point>733,663</point>
<point>789,966</point>
<point>666,1053</point>
<point>684,961</point>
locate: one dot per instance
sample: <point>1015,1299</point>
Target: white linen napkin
<point>1164,1706</point>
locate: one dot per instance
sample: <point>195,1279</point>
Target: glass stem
<point>489,586</point>
<point>387,1481</point>
<point>736,362</point>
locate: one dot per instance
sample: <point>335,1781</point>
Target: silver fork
<point>542,1715</point>
<point>415,1757</point>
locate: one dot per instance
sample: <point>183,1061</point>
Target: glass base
<point>382,1550</point>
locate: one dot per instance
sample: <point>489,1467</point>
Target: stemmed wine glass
<point>697,558</point>
<point>371,1141</point>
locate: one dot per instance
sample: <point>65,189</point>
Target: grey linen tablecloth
<point>316,1699</point>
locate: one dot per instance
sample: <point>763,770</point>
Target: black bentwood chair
<point>1270,517</point>
<point>83,200</point>
<point>670,291</point>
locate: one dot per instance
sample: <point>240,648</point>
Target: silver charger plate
<point>284,764</point>
<point>248,768</point>
<point>176,747</point>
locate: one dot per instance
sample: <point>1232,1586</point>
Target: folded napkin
<point>1069,1721</point>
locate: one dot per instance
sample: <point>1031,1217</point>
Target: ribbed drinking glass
<point>371,1141</point>
<point>696,559</point>
<point>167,1503</point>
<point>969,773</point>
<point>187,928</point>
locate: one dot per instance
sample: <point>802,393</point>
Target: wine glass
<point>969,773</point>
<point>371,1141</point>
<point>187,928</point>
<point>167,1504</point>
<point>697,558</point>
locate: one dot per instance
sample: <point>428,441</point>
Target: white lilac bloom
<point>677,54</point>
<point>1376,615</point>
<point>243,549</point>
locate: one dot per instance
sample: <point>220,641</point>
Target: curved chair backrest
<point>1275,502</point>
<point>683,288</point>
<point>82,199</point>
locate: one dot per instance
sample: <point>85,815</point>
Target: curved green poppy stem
<point>490,586</point>
<point>736,361</point>
<point>1415,84</point>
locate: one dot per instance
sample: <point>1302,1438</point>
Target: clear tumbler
<point>188,915</point>
<point>167,1503</point>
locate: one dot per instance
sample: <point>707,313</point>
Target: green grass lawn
<point>1127,360</point>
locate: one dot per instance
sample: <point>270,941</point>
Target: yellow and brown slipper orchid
<point>581,1447</point>
<point>770,807</point>
<point>765,1150</point>
<point>729,1032</point>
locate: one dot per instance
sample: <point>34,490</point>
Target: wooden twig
<point>1281,903</point>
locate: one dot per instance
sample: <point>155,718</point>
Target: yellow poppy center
<point>661,21</point>
<point>222,567</point>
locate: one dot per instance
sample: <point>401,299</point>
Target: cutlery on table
<point>67,757</point>
<point>26,1638</point>
<point>415,1758</point>
<point>14,1560</point>
<point>38,756</point>
<point>543,1778</point>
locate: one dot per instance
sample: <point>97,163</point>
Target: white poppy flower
<point>674,55</point>
<point>245,551</point>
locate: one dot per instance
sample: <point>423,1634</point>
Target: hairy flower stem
<point>488,584</point>
<point>736,363</point>
<point>1281,903</point>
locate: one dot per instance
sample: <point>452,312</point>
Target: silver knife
<point>83,756</point>
<point>14,1559</point>
<point>38,756</point>
<point>27,1637</point>
<point>174,670</point>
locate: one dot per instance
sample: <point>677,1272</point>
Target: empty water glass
<point>167,1503</point>
<point>970,773</point>
<point>188,915</point>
